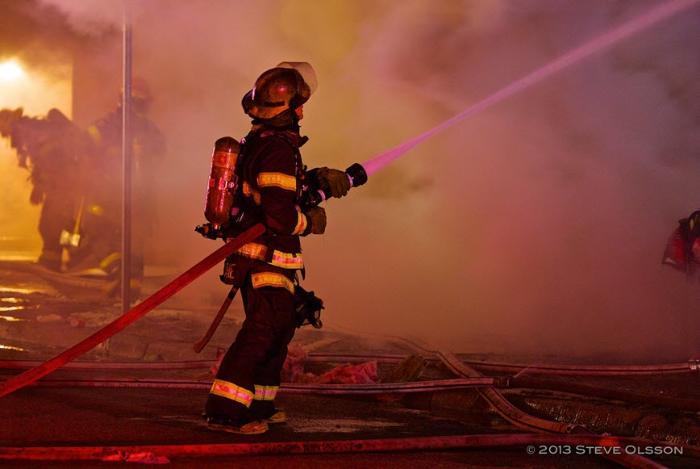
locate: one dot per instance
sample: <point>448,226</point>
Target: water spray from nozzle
<point>598,43</point>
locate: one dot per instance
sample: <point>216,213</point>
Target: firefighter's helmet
<point>287,86</point>
<point>141,96</point>
<point>140,90</point>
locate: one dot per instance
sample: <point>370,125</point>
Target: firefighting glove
<point>334,181</point>
<point>317,220</point>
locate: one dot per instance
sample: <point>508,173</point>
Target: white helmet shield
<point>306,70</point>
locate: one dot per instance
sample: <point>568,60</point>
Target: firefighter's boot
<point>238,426</point>
<point>267,412</point>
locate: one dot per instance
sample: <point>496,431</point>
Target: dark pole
<point>127,147</point>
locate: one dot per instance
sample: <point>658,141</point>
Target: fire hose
<point>691,366</point>
<point>197,347</point>
<point>286,388</point>
<point>519,369</point>
<point>525,382</point>
<point>681,404</point>
<point>135,313</point>
<point>517,417</point>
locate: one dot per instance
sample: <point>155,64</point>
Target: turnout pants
<point>249,374</point>
<point>57,214</point>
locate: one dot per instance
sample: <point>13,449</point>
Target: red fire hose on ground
<point>286,388</point>
<point>691,366</point>
<point>519,369</point>
<point>135,313</point>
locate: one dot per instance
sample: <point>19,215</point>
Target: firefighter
<point>242,396</point>
<point>56,153</point>
<point>683,247</point>
<point>102,217</point>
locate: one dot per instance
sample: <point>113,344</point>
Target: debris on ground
<point>409,369</point>
<point>294,370</point>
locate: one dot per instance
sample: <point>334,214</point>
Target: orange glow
<point>10,319</point>
<point>36,91</point>
<point>20,290</point>
<point>10,347</point>
<point>11,70</point>
<point>10,300</point>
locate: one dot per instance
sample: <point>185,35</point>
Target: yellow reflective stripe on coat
<point>302,223</point>
<point>231,391</point>
<point>253,251</point>
<point>281,180</point>
<point>265,393</point>
<point>271,279</point>
<point>285,260</point>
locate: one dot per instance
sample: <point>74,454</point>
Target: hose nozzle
<point>356,174</point>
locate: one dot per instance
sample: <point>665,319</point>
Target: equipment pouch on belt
<point>308,308</point>
<point>235,270</point>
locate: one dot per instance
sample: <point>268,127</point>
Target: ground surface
<point>84,417</point>
<point>42,313</point>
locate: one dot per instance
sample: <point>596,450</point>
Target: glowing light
<point>10,347</point>
<point>11,300</point>
<point>11,70</point>
<point>605,40</point>
<point>21,291</point>
<point>10,319</point>
<point>6,309</point>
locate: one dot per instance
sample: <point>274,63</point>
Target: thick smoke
<point>536,226</point>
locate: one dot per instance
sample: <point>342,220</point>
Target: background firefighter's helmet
<point>140,90</point>
<point>287,86</point>
<point>141,96</point>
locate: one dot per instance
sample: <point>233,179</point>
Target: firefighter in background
<point>57,154</point>
<point>103,216</point>
<point>683,247</point>
<point>76,176</point>
<point>272,175</point>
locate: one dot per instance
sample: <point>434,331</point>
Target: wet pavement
<point>76,417</point>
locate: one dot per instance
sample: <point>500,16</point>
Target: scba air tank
<point>223,183</point>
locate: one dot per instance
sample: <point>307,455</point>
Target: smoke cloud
<point>535,227</point>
